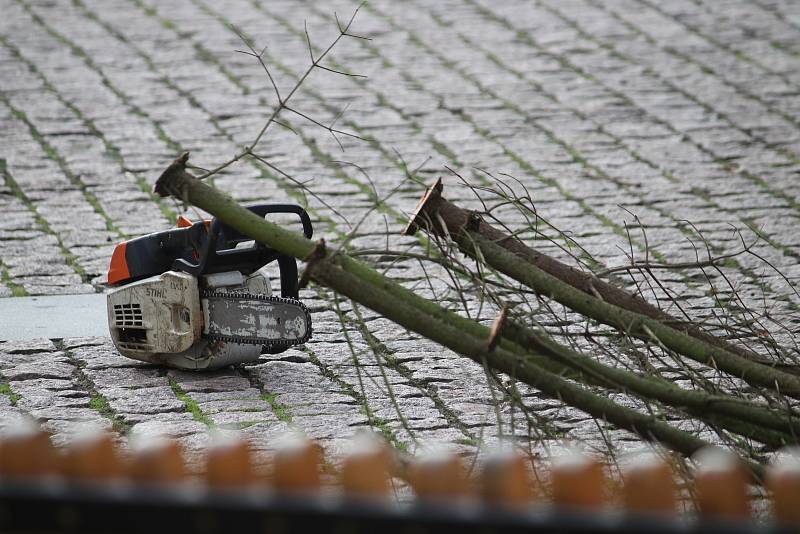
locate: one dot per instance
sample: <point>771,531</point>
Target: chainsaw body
<point>197,296</point>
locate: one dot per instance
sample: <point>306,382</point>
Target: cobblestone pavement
<point>673,111</point>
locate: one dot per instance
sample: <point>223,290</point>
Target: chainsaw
<point>198,296</point>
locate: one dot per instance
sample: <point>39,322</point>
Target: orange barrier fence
<point>92,485</point>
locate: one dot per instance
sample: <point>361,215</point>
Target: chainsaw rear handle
<point>204,248</point>
<point>227,256</point>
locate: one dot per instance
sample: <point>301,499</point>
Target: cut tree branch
<point>363,284</point>
<point>576,290</point>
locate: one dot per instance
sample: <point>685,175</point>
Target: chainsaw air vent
<point>142,347</point>
<point>128,315</point>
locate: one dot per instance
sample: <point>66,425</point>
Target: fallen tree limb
<point>734,414</point>
<point>742,417</point>
<point>575,290</point>
<point>455,217</point>
<point>469,338</point>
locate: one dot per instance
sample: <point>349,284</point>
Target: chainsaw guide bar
<point>251,319</point>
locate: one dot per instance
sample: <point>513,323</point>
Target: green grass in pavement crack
<point>78,51</point>
<point>111,149</point>
<point>669,83</point>
<point>16,289</point>
<point>192,406</point>
<point>52,154</point>
<point>282,411</point>
<point>97,401</point>
<point>5,389</point>
<point>100,404</point>
<point>379,423</point>
<point>564,62</point>
<point>387,355</point>
<point>17,191</point>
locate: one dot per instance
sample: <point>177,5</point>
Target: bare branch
<point>354,36</point>
<point>301,185</point>
<point>338,23</point>
<point>323,126</point>
<point>260,57</point>
<point>343,73</point>
<point>286,125</point>
<point>308,42</point>
<point>283,101</point>
<point>644,264</point>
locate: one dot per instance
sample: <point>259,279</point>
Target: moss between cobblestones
<point>5,389</point>
<point>386,430</point>
<point>16,289</point>
<point>470,442</point>
<point>69,257</point>
<point>281,411</point>
<point>383,352</point>
<point>113,151</point>
<point>192,406</point>
<point>242,425</point>
<point>97,401</point>
<point>204,55</point>
<point>89,123</point>
<point>151,12</point>
<point>100,404</point>
<point>378,423</point>
<point>53,155</point>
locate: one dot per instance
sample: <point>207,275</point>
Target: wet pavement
<point>686,111</point>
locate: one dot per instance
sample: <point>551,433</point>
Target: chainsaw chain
<point>266,342</point>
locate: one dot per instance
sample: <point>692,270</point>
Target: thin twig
<point>282,105</point>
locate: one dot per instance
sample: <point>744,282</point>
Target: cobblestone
<point>685,114</point>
